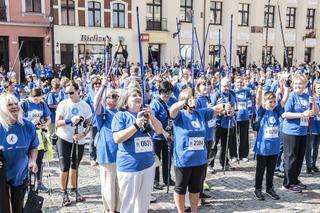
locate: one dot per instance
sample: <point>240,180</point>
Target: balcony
<point>3,13</point>
<point>157,24</point>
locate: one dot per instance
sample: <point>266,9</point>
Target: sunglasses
<point>97,83</point>
<point>69,93</point>
<point>113,96</point>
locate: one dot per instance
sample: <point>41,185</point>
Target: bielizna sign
<point>94,38</point>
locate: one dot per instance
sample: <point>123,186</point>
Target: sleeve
<point>60,110</point>
<point>87,112</point>
<point>289,104</point>
<point>50,98</point>
<point>46,110</point>
<point>214,99</point>
<point>118,122</point>
<point>279,109</point>
<point>34,143</point>
<point>154,107</point>
<point>208,114</point>
<point>260,111</point>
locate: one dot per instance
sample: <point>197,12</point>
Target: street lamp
<point>51,26</point>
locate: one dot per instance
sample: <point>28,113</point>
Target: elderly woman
<point>20,142</point>
<point>190,152</point>
<point>298,110</point>
<point>135,156</point>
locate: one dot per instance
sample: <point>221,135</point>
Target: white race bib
<point>211,123</point>
<point>143,144</point>
<point>271,132</point>
<point>242,105</point>
<point>304,121</point>
<point>196,143</point>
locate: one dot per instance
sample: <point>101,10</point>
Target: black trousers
<point>17,194</point>
<point>294,148</point>
<point>265,163</point>
<point>39,164</point>
<point>243,134</point>
<point>221,136</point>
<point>161,150</point>
<point>208,145</point>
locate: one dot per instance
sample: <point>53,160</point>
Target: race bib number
<point>242,105</point>
<point>143,144</point>
<point>304,121</point>
<point>211,123</point>
<point>271,132</point>
<point>196,143</point>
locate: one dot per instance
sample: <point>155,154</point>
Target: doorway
<point>67,57</point>
<point>154,54</point>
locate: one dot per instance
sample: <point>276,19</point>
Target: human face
<point>36,99</point>
<point>134,101</point>
<point>299,86</point>
<point>225,86</point>
<point>112,99</point>
<point>270,104</point>
<point>73,93</point>
<point>166,96</point>
<point>203,89</point>
<point>96,85</point>
<point>14,109</point>
<point>239,84</point>
<point>317,89</point>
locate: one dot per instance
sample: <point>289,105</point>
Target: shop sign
<point>311,42</point>
<point>94,38</point>
<point>158,38</point>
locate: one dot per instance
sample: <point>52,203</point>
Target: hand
<point>219,108</point>
<point>311,100</point>
<point>219,101</point>
<point>307,113</point>
<point>192,102</point>
<point>104,82</point>
<point>228,108</point>
<point>166,135</point>
<point>78,136</point>
<point>75,120</point>
<point>140,119</point>
<point>33,167</point>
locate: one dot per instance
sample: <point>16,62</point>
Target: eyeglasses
<point>113,96</point>
<point>69,93</point>
<point>97,83</point>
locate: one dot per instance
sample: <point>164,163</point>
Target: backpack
<point>256,124</point>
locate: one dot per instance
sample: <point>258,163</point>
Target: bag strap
<point>34,188</point>
<point>164,106</point>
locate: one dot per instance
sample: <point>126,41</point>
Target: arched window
<point>67,12</point>
<point>94,14</point>
<point>118,15</point>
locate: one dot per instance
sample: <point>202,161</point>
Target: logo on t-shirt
<point>12,139</point>
<point>74,111</point>
<point>304,102</point>
<point>272,120</point>
<point>195,124</point>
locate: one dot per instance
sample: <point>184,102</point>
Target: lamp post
<point>51,26</point>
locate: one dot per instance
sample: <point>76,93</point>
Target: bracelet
<point>136,126</point>
<point>68,121</point>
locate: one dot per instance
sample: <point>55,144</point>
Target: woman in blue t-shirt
<point>19,142</point>
<point>190,153</point>
<point>267,146</point>
<point>295,126</point>
<point>135,156</point>
<point>106,147</point>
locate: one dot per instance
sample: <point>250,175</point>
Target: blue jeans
<point>313,142</point>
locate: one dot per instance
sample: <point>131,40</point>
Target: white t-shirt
<point>67,109</point>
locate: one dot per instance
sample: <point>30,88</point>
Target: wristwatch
<point>136,126</point>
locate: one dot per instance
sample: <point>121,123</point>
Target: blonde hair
<point>122,104</point>
<point>301,77</point>
<point>5,116</point>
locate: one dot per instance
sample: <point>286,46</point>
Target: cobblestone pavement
<point>232,192</point>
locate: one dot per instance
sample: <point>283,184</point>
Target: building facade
<point>24,33</point>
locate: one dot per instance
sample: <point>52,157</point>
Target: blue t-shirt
<point>315,122</point>
<point>135,154</point>
<point>203,103</point>
<point>161,114</point>
<point>268,137</point>
<point>89,100</point>
<point>34,111</point>
<point>243,96</point>
<point>17,142</point>
<point>189,135</point>
<point>223,120</point>
<point>296,104</point>
<point>53,99</point>
<point>106,147</point>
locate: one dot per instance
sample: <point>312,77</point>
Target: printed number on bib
<point>304,121</point>
<point>196,143</point>
<point>242,105</point>
<point>143,144</point>
<point>271,132</point>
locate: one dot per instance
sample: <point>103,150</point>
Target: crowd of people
<point>141,126</point>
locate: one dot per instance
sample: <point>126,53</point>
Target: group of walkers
<point>140,125</point>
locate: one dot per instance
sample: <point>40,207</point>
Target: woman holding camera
<point>38,112</point>
<point>190,152</point>
<point>18,138</point>
<point>72,114</point>
<point>131,128</point>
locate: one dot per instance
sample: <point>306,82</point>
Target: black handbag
<point>54,139</point>
<point>34,201</point>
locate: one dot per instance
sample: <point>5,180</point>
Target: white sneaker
<point>93,163</point>
<point>153,199</point>
<point>245,159</point>
<point>233,160</point>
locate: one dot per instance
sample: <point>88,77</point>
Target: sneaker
<point>43,188</point>
<point>206,187</point>
<point>279,174</point>
<point>228,167</point>
<point>309,171</point>
<point>153,199</point>
<point>75,194</point>
<point>245,159</point>
<point>211,170</point>
<point>65,199</point>
<point>187,209</point>
<point>301,186</point>
<point>315,169</point>
<point>233,160</point>
<point>292,189</point>
<point>157,186</point>
<point>272,194</point>
<point>205,196</point>
<point>258,194</point>
<point>93,163</point>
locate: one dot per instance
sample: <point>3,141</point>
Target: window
<point>242,54</point>
<point>269,14</point>
<point>67,12</point>
<point>91,52</point>
<point>118,15</point>
<point>186,52</point>
<point>94,10</point>
<point>310,18</point>
<point>154,10</point>
<point>185,7</point>
<point>33,6</point>
<point>214,55</point>
<point>291,17</point>
<point>289,52</point>
<point>243,18</point>
<point>307,54</point>
<point>216,12</point>
<point>269,54</point>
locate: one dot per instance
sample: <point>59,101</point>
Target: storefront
<point>4,53</point>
